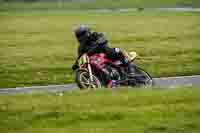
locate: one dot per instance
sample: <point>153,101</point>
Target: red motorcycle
<point>92,69</point>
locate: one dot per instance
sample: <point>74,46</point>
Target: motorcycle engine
<point>114,73</point>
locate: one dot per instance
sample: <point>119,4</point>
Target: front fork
<point>90,70</point>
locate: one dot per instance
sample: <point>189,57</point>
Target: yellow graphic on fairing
<point>132,55</point>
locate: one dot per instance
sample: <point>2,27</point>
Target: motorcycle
<point>92,68</point>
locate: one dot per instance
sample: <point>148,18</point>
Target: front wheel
<point>83,80</point>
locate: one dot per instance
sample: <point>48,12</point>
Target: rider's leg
<point>130,67</point>
<point>133,74</point>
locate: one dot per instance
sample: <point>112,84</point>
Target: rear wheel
<point>143,78</point>
<point>83,80</point>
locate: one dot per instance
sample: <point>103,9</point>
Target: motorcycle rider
<point>95,42</point>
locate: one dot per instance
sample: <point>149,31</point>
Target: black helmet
<point>81,32</point>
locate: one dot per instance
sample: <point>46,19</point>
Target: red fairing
<point>99,60</point>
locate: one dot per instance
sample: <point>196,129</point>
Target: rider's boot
<point>131,70</point>
<point>130,66</point>
<point>134,76</point>
<point>131,74</point>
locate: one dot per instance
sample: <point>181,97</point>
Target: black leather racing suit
<point>97,43</point>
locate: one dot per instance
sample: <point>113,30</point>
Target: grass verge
<point>140,110</point>
<point>97,4</point>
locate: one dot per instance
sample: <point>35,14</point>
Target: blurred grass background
<point>38,48</point>
<point>14,5</point>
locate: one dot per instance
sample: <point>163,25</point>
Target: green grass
<point>140,110</point>
<point>96,4</point>
<point>39,48</point>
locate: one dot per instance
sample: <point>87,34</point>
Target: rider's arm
<point>116,53</point>
<point>98,38</point>
<point>113,53</point>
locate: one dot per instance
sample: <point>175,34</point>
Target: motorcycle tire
<point>143,78</point>
<point>83,80</point>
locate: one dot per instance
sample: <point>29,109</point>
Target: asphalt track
<point>164,82</point>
